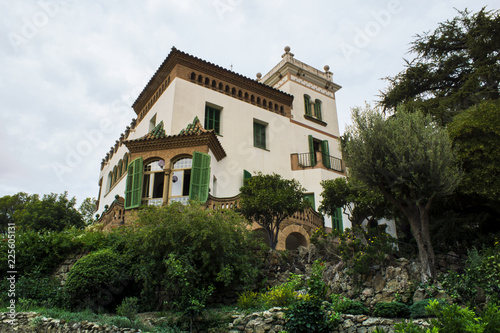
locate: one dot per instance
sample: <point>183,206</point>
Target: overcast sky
<point>70,70</point>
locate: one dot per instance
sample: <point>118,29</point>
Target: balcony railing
<point>304,160</point>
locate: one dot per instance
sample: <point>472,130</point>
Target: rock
<point>419,295</point>
<point>378,283</point>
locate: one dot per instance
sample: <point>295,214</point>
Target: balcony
<point>303,161</point>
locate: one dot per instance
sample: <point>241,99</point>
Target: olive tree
<point>410,159</point>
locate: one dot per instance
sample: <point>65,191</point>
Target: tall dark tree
<point>8,205</point>
<point>456,66</point>
<point>268,200</point>
<point>410,160</point>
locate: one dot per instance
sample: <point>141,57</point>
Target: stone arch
<point>291,237</point>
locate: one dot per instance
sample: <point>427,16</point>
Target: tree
<point>268,200</point>
<point>356,199</point>
<point>476,134</point>
<point>456,66</point>
<point>87,209</point>
<point>410,160</point>
<point>54,212</point>
<point>8,205</point>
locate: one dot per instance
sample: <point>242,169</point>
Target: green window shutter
<point>307,105</point>
<point>246,175</point>
<point>337,219</point>
<point>311,150</point>
<point>259,135</point>
<point>310,197</point>
<point>317,109</point>
<point>200,177</point>
<point>212,119</point>
<point>325,150</point>
<point>133,187</point>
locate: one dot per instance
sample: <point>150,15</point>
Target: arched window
<point>120,168</point>
<point>125,162</point>
<point>252,99</point>
<point>214,84</point>
<point>317,109</point>
<point>207,81</point>
<point>181,180</point>
<point>200,79</point>
<point>109,182</point>
<point>221,86</point>
<point>246,95</point>
<point>115,175</point>
<point>307,105</point>
<point>193,76</point>
<point>152,184</point>
<point>258,100</point>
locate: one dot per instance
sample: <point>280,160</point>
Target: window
<point>152,184</point>
<point>259,135</point>
<point>337,219</point>
<point>317,109</point>
<point>120,168</point>
<point>181,180</point>
<point>200,180</point>
<point>152,123</point>
<point>307,105</point>
<point>325,152</point>
<point>310,197</point>
<point>212,119</point>
<point>246,176</point>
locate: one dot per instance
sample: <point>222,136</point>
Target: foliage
<point>214,245</point>
<point>8,206</point>
<point>87,209</point>
<point>361,249</point>
<point>476,134</point>
<point>248,300</point>
<point>284,294</point>
<point>128,308</point>
<point>456,66</point>
<point>95,278</point>
<point>182,282</point>
<point>391,310</point>
<point>315,283</point>
<point>482,273</point>
<point>419,310</point>
<point>355,198</point>
<point>454,319</point>
<point>53,212</point>
<point>345,305</point>
<point>269,199</point>
<point>410,160</point>
<point>306,316</point>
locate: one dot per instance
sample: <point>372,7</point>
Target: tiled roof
<point>158,132</point>
<point>194,128</point>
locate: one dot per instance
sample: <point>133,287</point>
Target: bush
<point>347,306</point>
<point>481,272</point>
<point>214,245</point>
<point>391,310</point>
<point>284,294</point>
<point>96,279</point>
<point>306,316</point>
<point>317,288</point>
<point>128,308</point>
<point>419,309</point>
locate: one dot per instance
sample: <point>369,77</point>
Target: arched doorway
<point>294,240</point>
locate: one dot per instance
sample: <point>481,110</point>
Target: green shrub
<point>347,306</point>
<point>453,319</point>
<point>214,245</point>
<point>418,309</point>
<point>248,300</point>
<point>306,316</point>
<point>481,272</point>
<point>410,327</point>
<point>317,287</point>
<point>391,310</point>
<point>96,279</point>
<point>128,308</point>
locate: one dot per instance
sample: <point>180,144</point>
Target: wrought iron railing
<point>311,160</point>
<point>305,160</point>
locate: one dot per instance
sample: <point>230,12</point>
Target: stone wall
<point>61,273</point>
<point>273,321</point>
<point>25,323</point>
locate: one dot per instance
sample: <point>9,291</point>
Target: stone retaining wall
<point>24,324</point>
<point>272,321</point>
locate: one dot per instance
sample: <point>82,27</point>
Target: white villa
<point>202,129</point>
